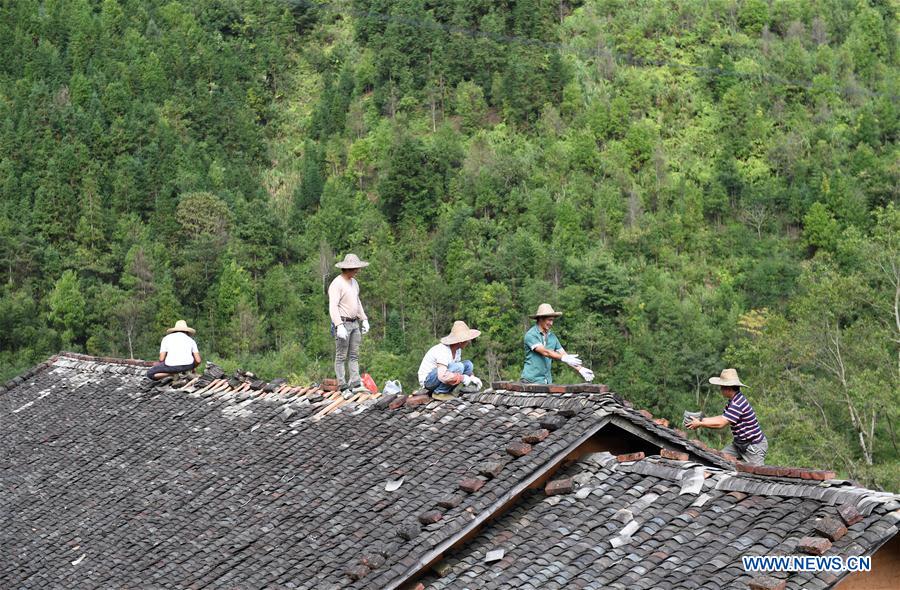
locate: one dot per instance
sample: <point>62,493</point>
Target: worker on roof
<point>542,347</point>
<point>442,372</point>
<point>178,352</point>
<point>749,444</point>
<point>348,324</point>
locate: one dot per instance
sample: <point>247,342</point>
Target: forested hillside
<point>696,184</point>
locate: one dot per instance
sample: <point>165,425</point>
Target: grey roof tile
<point>232,480</point>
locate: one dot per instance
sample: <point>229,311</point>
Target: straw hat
<point>545,311</point>
<point>728,378</point>
<point>181,326</point>
<point>460,332</point>
<point>351,261</point>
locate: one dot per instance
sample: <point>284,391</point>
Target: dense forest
<point>696,184</point>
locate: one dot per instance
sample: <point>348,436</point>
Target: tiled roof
<point>621,413</point>
<point>232,481</point>
<point>656,523</point>
<point>109,481</point>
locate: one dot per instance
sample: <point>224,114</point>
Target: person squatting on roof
<point>442,372</point>
<point>750,444</point>
<point>542,347</point>
<point>348,324</point>
<point>178,352</point>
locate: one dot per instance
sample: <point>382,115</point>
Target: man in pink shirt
<point>348,323</point>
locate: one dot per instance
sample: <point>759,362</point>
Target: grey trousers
<point>347,352</point>
<point>752,454</point>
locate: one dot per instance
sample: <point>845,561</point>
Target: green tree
<point>67,308</point>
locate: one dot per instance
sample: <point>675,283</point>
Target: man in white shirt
<point>178,352</point>
<point>442,368</point>
<point>348,323</point>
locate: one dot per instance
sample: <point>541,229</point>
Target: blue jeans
<point>168,369</point>
<point>435,385</point>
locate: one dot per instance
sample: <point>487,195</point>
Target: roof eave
<point>496,507</point>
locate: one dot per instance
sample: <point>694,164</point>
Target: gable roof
<point>242,487</point>
<point>657,523</point>
<point>111,480</point>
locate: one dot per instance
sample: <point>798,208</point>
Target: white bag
<point>392,387</point>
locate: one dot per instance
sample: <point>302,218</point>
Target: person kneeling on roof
<point>542,347</point>
<point>442,372</point>
<point>177,352</point>
<point>750,444</point>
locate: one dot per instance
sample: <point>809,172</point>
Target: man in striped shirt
<point>750,444</point>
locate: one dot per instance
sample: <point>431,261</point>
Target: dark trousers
<point>164,368</point>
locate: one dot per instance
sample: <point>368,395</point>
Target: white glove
<point>467,379</point>
<point>475,381</point>
<point>572,360</point>
<point>365,327</point>
<point>341,332</point>
<point>586,373</point>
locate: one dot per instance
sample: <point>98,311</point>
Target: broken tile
<point>559,486</point>
<point>417,400</point>
<point>430,517</point>
<point>673,455</point>
<point>849,514</point>
<point>518,449</point>
<point>471,484</point>
<point>831,528</point>
<point>536,436</point>
<point>490,469</point>
<point>451,500</point>
<point>553,422</point>
<point>408,530</point>
<point>767,583</point>
<point>814,545</point>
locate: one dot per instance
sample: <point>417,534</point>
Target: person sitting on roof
<point>442,372</point>
<point>177,352</point>
<point>750,444</point>
<point>542,347</point>
<point>348,324</point>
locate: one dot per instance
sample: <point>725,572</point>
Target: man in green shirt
<point>542,347</point>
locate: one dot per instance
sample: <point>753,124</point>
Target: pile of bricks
<point>551,388</point>
<point>794,472</point>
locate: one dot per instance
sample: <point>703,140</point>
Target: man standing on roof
<point>750,444</point>
<point>542,347</point>
<point>442,372</point>
<point>348,323</point>
<point>178,352</point>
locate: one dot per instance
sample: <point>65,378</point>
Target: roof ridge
<point>101,359</point>
<point>731,479</point>
<point>26,374</point>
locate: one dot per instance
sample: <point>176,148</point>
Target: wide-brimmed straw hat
<point>545,311</point>
<point>351,261</point>
<point>460,332</point>
<point>728,378</point>
<point>181,326</point>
